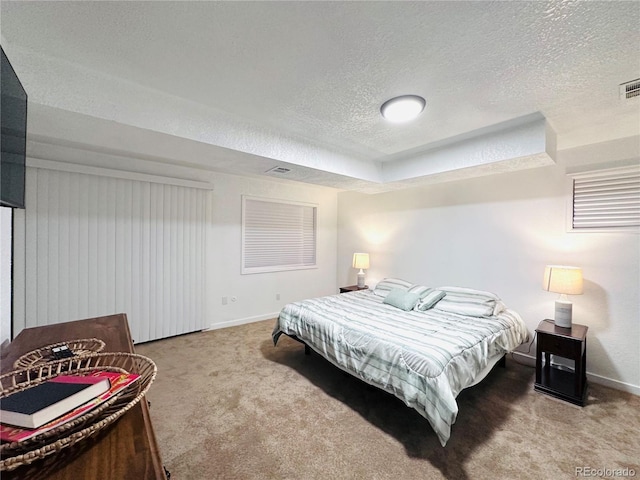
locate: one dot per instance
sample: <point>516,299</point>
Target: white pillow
<point>386,285</point>
<point>420,290</point>
<point>429,299</point>
<point>469,302</point>
<point>470,291</point>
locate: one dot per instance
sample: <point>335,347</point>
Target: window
<point>277,235</point>
<point>607,200</point>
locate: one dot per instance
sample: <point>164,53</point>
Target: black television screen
<point>13,143</point>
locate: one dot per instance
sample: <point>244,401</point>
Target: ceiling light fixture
<point>402,109</point>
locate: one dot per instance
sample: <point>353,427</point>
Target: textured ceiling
<point>255,84</point>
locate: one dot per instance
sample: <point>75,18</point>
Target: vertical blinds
<point>97,245</point>
<point>277,235</point>
<point>608,199</point>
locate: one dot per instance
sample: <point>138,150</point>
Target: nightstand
<point>352,288</point>
<point>570,343</point>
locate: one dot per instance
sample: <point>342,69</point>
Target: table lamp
<point>361,261</point>
<point>565,281</point>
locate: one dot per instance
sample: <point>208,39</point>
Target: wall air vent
<point>630,89</point>
<point>279,170</point>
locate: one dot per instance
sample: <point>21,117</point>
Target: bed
<point>424,352</point>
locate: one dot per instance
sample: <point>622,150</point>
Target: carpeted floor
<point>227,404</point>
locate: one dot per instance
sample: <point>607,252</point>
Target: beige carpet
<point>227,404</point>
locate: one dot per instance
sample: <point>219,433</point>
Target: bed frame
<point>307,348</point>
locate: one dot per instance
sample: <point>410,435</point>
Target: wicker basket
<point>15,454</point>
<point>81,346</point>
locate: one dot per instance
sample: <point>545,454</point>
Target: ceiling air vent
<point>630,89</point>
<point>279,170</point>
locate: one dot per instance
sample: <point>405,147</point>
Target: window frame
<point>282,267</point>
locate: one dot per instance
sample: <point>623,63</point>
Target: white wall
<point>497,233</point>
<point>5,273</point>
<point>256,294</point>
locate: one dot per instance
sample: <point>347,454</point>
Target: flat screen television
<point>13,143</point>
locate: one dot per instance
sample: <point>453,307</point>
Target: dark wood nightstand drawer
<point>558,345</point>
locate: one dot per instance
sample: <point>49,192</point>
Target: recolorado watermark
<point>605,472</point>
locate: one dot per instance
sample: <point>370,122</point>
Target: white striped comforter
<point>423,358</point>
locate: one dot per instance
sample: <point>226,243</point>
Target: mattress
<point>423,358</point>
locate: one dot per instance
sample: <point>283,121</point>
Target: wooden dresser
<point>125,450</point>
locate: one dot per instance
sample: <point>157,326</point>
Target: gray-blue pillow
<point>401,299</point>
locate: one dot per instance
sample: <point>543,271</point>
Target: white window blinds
<point>277,235</point>
<point>607,199</point>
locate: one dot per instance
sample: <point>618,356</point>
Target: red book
<point>117,381</point>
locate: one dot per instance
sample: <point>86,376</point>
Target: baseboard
<point>618,385</point>
<point>591,377</point>
<point>242,321</point>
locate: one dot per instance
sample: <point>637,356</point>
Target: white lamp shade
<point>361,260</point>
<point>563,279</point>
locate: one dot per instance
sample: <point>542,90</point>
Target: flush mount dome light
<point>402,109</point>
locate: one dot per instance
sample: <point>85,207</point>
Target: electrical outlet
<point>277,296</point>
<point>225,300</point>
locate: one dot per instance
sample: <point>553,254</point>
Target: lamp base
<point>360,279</point>
<point>564,312</point>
